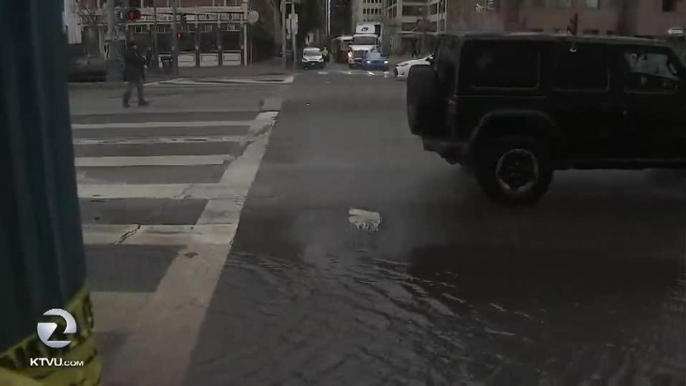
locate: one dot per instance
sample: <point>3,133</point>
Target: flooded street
<point>587,288</point>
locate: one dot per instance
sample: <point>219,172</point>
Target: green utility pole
<point>42,264</point>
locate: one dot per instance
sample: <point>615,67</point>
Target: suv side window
<point>649,70</point>
<point>504,65</point>
<point>580,66</point>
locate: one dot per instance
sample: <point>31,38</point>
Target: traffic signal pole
<point>42,263</point>
<point>175,40</point>
<point>113,73</point>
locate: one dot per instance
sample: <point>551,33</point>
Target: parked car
<point>312,58</point>
<point>375,61</point>
<point>514,108</point>
<point>402,69</point>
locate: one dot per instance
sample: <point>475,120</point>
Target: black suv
<point>515,107</point>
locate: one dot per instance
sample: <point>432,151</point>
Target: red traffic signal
<point>573,25</point>
<point>133,14</point>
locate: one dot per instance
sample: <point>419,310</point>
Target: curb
<point>270,104</point>
<point>95,86</point>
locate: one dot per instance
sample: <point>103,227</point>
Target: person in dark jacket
<point>134,72</point>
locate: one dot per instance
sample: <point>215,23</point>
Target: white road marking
<point>370,73</point>
<point>167,160</point>
<point>168,327</point>
<point>108,308</point>
<point>132,234</point>
<point>156,140</point>
<point>144,125</point>
<point>168,191</point>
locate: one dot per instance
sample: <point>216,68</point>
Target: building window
<point>563,3</point>
<point>412,11</point>
<point>593,4</point>
<point>586,68</point>
<point>669,5</point>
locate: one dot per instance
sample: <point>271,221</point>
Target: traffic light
<point>133,14</point>
<point>573,25</point>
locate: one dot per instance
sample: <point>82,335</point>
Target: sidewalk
<point>267,67</point>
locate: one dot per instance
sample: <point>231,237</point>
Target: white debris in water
<point>364,219</point>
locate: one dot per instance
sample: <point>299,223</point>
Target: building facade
<point>625,17</point>
<point>365,11</point>
<point>209,33</point>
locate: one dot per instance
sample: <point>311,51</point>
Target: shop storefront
<point>206,37</point>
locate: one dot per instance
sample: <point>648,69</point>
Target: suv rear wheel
<point>514,170</point>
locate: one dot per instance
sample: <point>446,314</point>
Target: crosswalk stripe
<point>133,234</point>
<point>167,160</point>
<point>139,141</point>
<point>127,125</point>
<point>206,191</point>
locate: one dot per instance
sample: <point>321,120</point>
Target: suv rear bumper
<point>451,151</point>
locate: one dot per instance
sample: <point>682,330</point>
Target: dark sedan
<point>375,61</point>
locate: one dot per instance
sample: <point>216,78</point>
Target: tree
<point>276,7</point>
<point>309,18</point>
<point>90,12</point>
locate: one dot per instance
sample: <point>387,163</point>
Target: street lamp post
<point>425,10</point>
<point>283,33</point>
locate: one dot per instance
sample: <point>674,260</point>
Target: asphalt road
<point>585,288</point>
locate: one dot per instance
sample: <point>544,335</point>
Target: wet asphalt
<point>585,288</point>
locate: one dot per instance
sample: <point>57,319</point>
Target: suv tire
<point>514,170</point>
<point>423,113</point>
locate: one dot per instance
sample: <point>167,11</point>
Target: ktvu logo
<point>46,330</point>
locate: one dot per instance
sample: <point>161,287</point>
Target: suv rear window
<point>503,65</point>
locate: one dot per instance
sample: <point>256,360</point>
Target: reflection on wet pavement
<point>450,314</point>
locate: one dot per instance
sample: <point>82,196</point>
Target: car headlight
<point>367,62</point>
<point>403,65</point>
<point>350,54</point>
<point>385,62</point>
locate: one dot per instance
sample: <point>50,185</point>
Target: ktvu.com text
<point>54,362</point>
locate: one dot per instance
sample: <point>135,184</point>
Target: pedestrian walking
<point>325,54</point>
<point>134,73</point>
<point>415,51</point>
